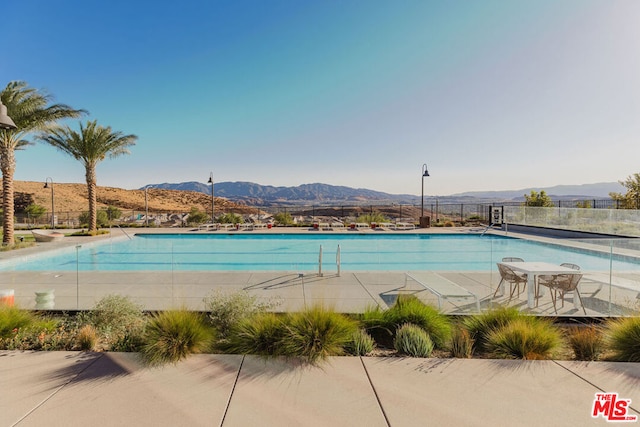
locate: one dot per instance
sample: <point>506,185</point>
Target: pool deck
<point>350,292</point>
<point>115,389</point>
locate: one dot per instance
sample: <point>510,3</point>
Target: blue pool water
<point>292,252</point>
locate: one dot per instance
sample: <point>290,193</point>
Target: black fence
<point>438,213</point>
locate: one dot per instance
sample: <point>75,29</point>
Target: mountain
<point>597,190</point>
<point>267,195</point>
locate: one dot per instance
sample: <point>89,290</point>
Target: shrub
<point>317,332</point>
<point>461,343</point>
<point>118,320</point>
<point>12,319</point>
<point>173,335</point>
<point>361,343</point>
<point>227,309</point>
<point>527,337</point>
<point>481,325</point>
<point>261,334</point>
<point>87,338</point>
<point>374,323</point>
<point>623,339</point>
<point>413,341</point>
<point>409,309</point>
<point>44,334</point>
<point>587,343</point>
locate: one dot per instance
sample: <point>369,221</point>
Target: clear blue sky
<point>492,94</point>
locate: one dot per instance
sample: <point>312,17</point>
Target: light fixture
<point>5,121</point>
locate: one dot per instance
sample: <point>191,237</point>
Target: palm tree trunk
<point>8,166</point>
<point>90,176</point>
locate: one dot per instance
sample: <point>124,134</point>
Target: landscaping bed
<point>238,323</point>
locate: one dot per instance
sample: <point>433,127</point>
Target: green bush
<point>197,217</point>
<point>461,344</point>
<point>623,339</point>
<point>587,342</point>
<point>261,334</point>
<point>13,319</point>
<point>481,325</point>
<point>372,217</point>
<point>119,321</point>
<point>361,343</point>
<point>225,310</point>
<point>173,335</point>
<point>317,332</point>
<point>44,334</point>
<point>413,341</point>
<point>409,309</point>
<point>529,338</point>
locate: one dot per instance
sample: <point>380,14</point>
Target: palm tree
<point>90,146</point>
<point>31,112</point>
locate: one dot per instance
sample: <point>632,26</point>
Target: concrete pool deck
<point>114,389</point>
<point>350,292</point>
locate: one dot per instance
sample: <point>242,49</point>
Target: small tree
<point>102,219</point>
<point>230,218</point>
<point>631,199</point>
<point>113,213</point>
<point>35,211</point>
<point>540,199</point>
<point>372,217</point>
<point>283,218</point>
<point>196,216</point>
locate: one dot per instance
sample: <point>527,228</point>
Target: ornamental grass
<point>316,333</point>
<point>623,339</point>
<point>409,309</point>
<point>528,338</point>
<point>173,335</point>
<point>481,325</point>
<point>587,342</point>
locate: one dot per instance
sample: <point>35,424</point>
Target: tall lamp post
<point>146,208</point>
<point>5,120</point>
<point>213,206</point>
<point>53,211</point>
<point>425,173</point>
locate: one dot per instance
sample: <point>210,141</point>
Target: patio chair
<point>513,278</point>
<point>563,283</point>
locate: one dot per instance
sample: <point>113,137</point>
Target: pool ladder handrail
<point>320,261</point>
<point>125,233</point>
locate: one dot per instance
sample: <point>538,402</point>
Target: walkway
<point>113,389</point>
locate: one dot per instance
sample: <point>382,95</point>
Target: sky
<point>490,95</point>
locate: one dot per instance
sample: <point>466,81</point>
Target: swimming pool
<point>301,252</point>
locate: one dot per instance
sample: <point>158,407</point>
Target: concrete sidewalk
<point>114,389</point>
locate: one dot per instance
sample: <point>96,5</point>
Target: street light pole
<point>53,211</point>
<point>213,206</point>
<point>146,208</point>
<point>425,173</point>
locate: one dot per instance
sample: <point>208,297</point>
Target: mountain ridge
<point>257,194</point>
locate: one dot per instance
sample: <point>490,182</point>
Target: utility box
<point>425,221</point>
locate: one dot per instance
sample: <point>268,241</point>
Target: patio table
<point>533,269</point>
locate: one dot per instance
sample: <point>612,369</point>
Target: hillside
<point>73,198</point>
